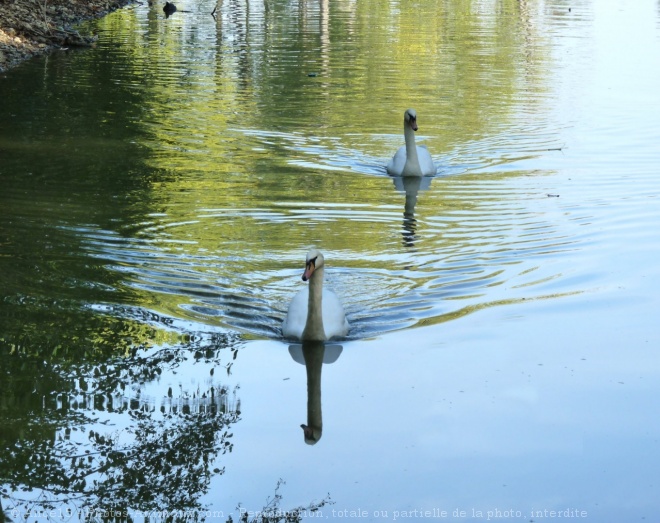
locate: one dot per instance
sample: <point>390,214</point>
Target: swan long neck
<point>412,161</point>
<point>314,324</point>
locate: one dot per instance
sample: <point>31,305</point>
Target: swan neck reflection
<point>313,354</point>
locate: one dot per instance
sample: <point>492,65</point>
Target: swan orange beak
<point>308,270</point>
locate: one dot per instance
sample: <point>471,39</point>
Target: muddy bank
<point>32,27</point>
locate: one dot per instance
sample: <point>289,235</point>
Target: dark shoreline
<point>30,29</point>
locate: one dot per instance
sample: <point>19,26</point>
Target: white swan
<point>315,315</point>
<point>410,159</point>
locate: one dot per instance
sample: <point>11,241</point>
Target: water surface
<point>161,190</point>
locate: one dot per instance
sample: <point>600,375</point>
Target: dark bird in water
<point>169,9</point>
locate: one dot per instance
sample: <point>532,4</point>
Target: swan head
<point>410,119</point>
<point>312,434</point>
<point>314,261</point>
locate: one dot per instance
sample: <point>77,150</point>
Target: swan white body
<point>411,159</point>
<point>315,314</point>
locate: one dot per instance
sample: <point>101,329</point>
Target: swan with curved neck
<point>315,314</point>
<point>411,159</point>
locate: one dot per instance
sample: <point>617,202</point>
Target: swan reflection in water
<point>411,186</point>
<point>411,167</point>
<point>313,354</point>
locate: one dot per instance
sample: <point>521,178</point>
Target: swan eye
<point>312,261</point>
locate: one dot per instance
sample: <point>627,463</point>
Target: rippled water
<point>160,192</point>
<point>418,268</point>
<point>259,145</point>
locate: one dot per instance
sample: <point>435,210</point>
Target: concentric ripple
<point>464,244</point>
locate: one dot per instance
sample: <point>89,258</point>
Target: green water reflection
<point>158,191</point>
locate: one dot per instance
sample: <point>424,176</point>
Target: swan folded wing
<point>335,323</point>
<point>426,163</point>
<point>398,161</point>
<point>296,316</point>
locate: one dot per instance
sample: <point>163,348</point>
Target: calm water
<point>160,191</point>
